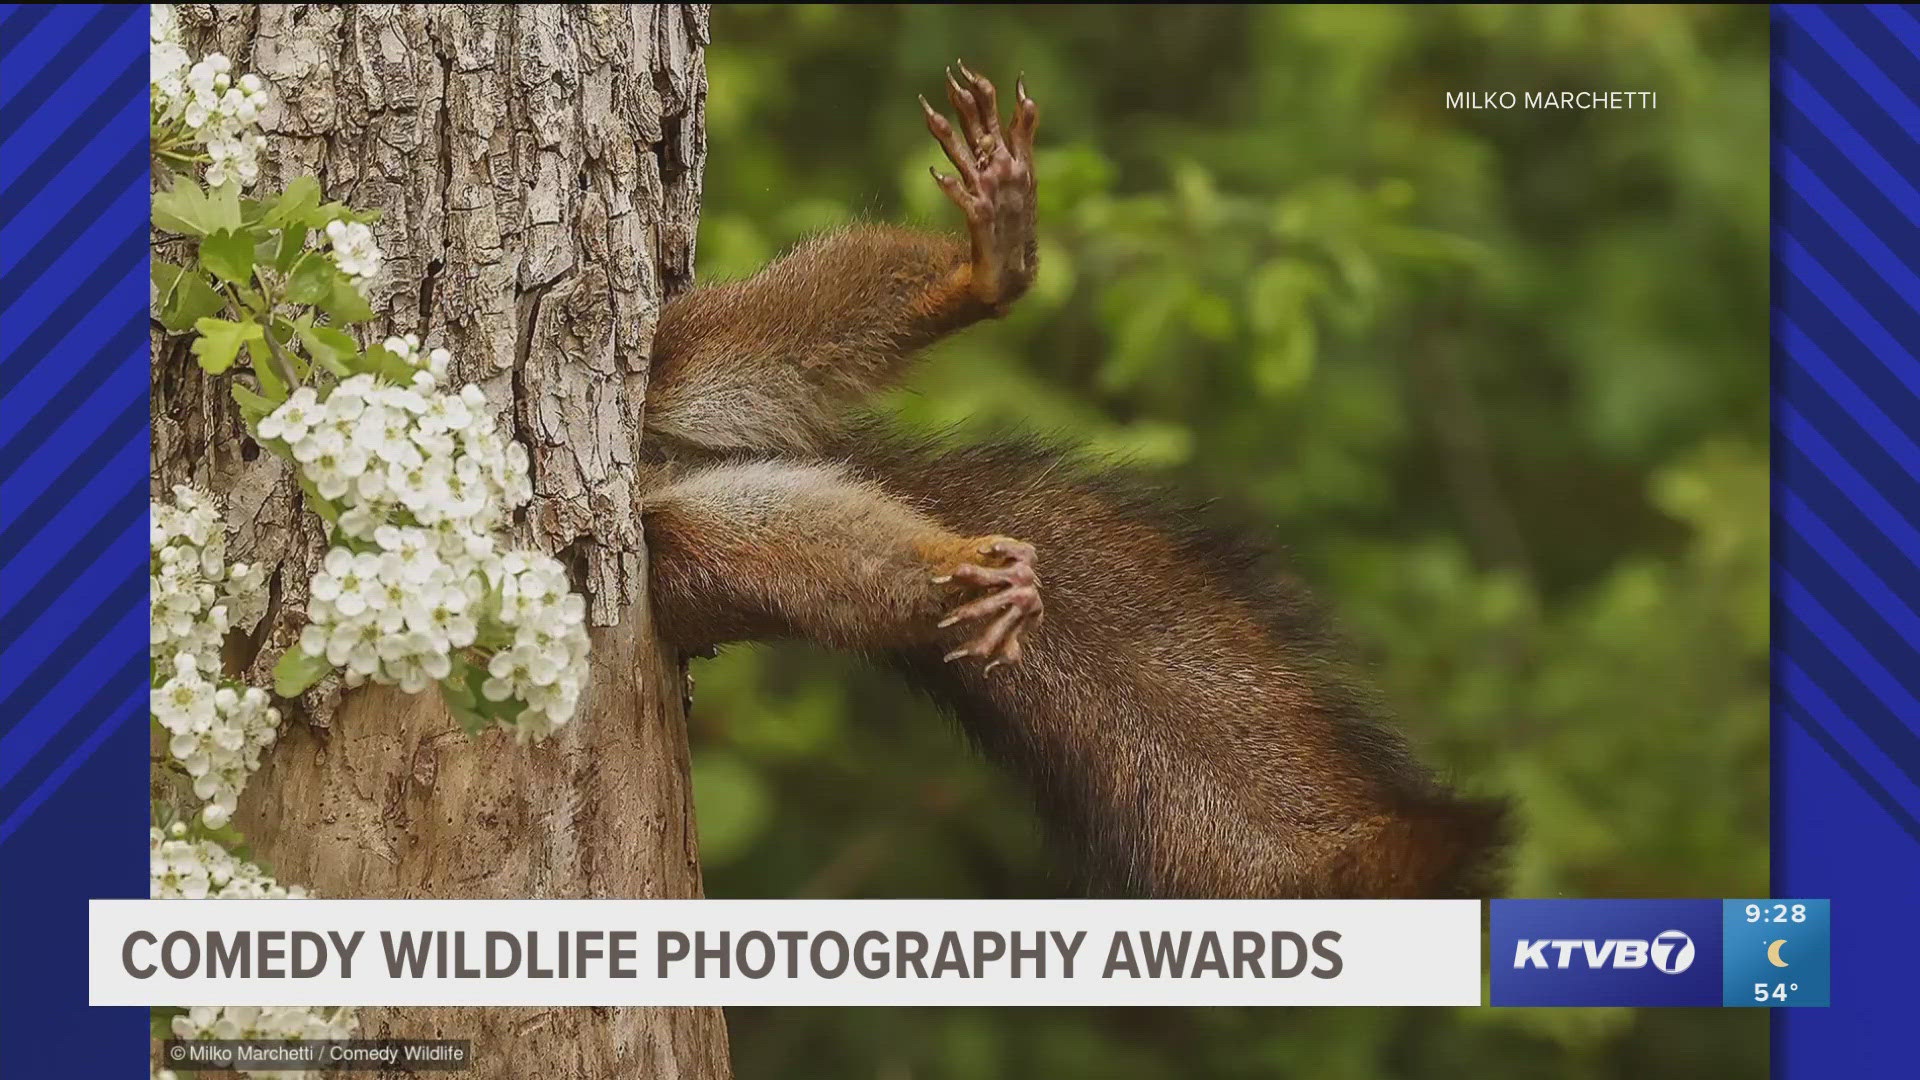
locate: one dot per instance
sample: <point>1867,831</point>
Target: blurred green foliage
<point>1496,379</point>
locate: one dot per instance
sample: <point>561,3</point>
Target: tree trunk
<point>538,170</point>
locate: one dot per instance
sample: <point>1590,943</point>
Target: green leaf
<point>382,364</point>
<point>272,386</point>
<point>301,367</point>
<point>219,342</point>
<point>321,505</point>
<point>345,303</point>
<point>508,711</point>
<point>188,209</point>
<point>186,298</point>
<point>296,671</point>
<point>295,204</point>
<point>1285,365</point>
<point>160,1018</point>
<point>181,208</point>
<point>330,348</point>
<point>166,277</point>
<point>249,298</point>
<point>252,406</point>
<point>312,279</point>
<point>260,354</point>
<point>224,204</point>
<point>192,300</point>
<point>461,692</point>
<point>229,837</point>
<point>293,244</point>
<point>228,256</point>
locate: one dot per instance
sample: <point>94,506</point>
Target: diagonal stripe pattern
<point>1846,332</point>
<point>73,412</point>
<point>1846,517</point>
<point>75,431</point>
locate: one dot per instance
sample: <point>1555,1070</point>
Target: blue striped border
<point>74,437</point>
<point>1846,520</point>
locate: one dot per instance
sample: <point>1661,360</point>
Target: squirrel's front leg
<point>770,363</point>
<point>773,549</point>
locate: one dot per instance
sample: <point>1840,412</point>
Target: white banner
<point>784,952</point>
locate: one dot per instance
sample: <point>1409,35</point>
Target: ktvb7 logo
<point>1670,951</point>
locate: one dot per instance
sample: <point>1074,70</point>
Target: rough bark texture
<point>538,169</point>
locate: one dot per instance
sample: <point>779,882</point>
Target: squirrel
<point>1166,694</point>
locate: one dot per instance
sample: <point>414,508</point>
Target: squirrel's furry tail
<point>1182,715</point>
<point>1444,846</point>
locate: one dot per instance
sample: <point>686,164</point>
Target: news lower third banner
<point>1758,953</point>
<point>784,952</point>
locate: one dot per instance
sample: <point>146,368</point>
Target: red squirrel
<point>1157,683</point>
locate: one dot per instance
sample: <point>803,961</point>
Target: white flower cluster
<point>167,57</point>
<point>546,665</point>
<point>423,480</point>
<point>222,113</point>
<point>216,728</point>
<point>271,1022</point>
<point>405,455</point>
<point>195,596</point>
<point>354,250</point>
<point>216,732</point>
<point>182,869</point>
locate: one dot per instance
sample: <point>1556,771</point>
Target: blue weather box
<point>1777,952</point>
<point>1606,952</point>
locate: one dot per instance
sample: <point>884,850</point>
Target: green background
<point>1496,379</point>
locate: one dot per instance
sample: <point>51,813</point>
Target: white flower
<point>168,63</point>
<point>179,868</point>
<point>332,472</point>
<point>168,59</point>
<point>203,102</point>
<point>194,598</point>
<point>218,732</point>
<point>184,702</point>
<point>318,442</point>
<point>354,250</point>
<point>356,646</point>
<point>445,413</point>
<point>294,416</point>
<point>163,23</point>
<point>415,587</point>
<point>546,665</point>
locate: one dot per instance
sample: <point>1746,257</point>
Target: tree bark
<point>538,170</point>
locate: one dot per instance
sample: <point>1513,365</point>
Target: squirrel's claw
<point>1026,117</point>
<point>995,185</point>
<point>956,149</point>
<point>1014,602</point>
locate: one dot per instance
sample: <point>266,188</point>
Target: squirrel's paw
<point>1012,603</point>
<point>995,188</point>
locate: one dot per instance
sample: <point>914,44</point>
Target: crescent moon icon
<point>1773,953</point>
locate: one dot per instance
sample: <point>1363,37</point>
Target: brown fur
<point>760,365</point>
<point>1178,714</point>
